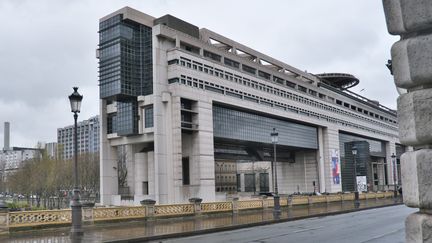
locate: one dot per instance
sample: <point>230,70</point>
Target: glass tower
<point>125,69</point>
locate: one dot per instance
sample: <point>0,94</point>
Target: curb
<point>241,226</point>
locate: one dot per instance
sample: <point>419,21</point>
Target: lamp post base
<point>76,229</point>
<point>276,208</point>
<point>356,200</point>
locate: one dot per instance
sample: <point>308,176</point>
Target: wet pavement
<point>184,226</point>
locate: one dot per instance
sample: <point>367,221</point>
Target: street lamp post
<point>76,231</point>
<point>356,193</point>
<point>274,138</point>
<point>393,156</point>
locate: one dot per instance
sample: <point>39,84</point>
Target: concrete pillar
<point>149,205</point>
<point>264,202</point>
<point>196,201</point>
<point>235,204</point>
<point>141,172</point>
<point>108,161</point>
<point>4,219</point>
<point>411,69</point>
<point>177,42</point>
<point>391,168</point>
<point>203,151</point>
<point>152,178</point>
<point>87,213</point>
<point>332,170</point>
<point>130,167</point>
<point>320,159</point>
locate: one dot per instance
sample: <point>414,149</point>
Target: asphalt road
<point>374,225</point>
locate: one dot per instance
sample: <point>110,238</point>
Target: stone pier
<point>412,70</point>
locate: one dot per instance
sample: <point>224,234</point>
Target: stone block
<point>418,228</point>
<point>414,115</point>
<point>412,61</point>
<point>393,13</point>
<point>404,16</point>
<point>416,168</point>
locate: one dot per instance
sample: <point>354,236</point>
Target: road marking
<point>383,235</point>
<point>293,232</point>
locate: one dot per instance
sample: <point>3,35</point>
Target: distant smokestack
<point>6,136</point>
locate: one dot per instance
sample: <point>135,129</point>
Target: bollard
<point>149,205</point>
<point>235,204</point>
<point>87,212</point>
<point>264,202</point>
<point>196,201</point>
<point>290,201</point>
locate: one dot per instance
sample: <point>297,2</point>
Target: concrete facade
<point>191,78</point>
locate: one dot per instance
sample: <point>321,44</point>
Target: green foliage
<point>17,205</point>
<point>46,177</point>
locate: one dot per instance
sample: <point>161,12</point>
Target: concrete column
<point>331,152</point>
<point>149,205</point>
<point>391,170</point>
<point>163,160</point>
<point>411,69</point>
<point>177,42</point>
<point>264,202</point>
<point>235,204</point>
<point>87,213</point>
<point>204,152</point>
<point>4,219</point>
<point>130,167</point>
<point>196,201</point>
<point>141,172</point>
<point>152,176</point>
<point>108,161</point>
<point>320,159</point>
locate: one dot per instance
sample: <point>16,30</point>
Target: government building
<point>186,112</point>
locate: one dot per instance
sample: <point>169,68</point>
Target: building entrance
<point>379,176</point>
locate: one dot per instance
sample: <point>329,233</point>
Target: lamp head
<point>274,136</point>
<point>354,150</point>
<point>75,100</point>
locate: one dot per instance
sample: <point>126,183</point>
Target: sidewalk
<point>139,231</point>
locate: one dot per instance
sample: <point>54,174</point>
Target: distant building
<point>51,150</point>
<point>12,159</point>
<point>88,138</point>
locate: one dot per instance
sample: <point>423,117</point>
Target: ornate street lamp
<point>76,231</point>
<point>356,193</point>
<point>274,139</point>
<point>393,157</point>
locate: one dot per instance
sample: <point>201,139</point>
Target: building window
<point>302,89</point>
<point>185,171</point>
<point>145,187</point>
<point>264,75</point>
<point>212,56</point>
<point>231,63</point>
<point>148,116</point>
<point>249,69</point>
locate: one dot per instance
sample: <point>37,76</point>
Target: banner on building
<point>335,166</point>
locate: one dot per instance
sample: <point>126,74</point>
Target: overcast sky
<point>48,46</point>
